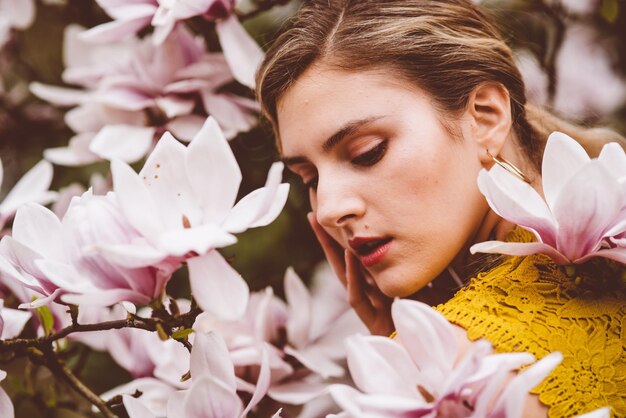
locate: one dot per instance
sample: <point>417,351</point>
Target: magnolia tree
<point>87,267</point>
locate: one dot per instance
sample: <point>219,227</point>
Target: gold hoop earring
<point>508,166</point>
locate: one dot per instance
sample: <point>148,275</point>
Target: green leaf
<point>46,319</point>
<point>182,333</point>
<point>610,10</point>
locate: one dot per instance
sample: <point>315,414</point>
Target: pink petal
<point>519,249</point>
<point>210,357</point>
<point>6,406</point>
<point>21,13</point>
<point>563,158</point>
<point>617,254</point>
<point>14,322</point>
<point>209,397</point>
<point>232,117</point>
<point>155,393</point>
<point>200,239</point>
<point>75,154</point>
<point>262,383</point>
<point>135,200</point>
<point>135,408</point>
<point>217,287</point>
<point>378,365</point>
<point>428,337</point>
<point>511,403</point>
<point>298,392</point>
<point>186,127</point>
<point>517,202</point>
<point>60,96</point>
<point>116,30</point>
<point>299,309</point>
<point>261,206</point>
<point>613,157</point>
<point>40,230</point>
<point>212,171</point>
<point>123,142</point>
<point>173,106</point>
<point>585,209</point>
<point>598,413</point>
<point>32,187</point>
<point>316,361</point>
<point>98,297</point>
<point>242,52</point>
<point>128,255</point>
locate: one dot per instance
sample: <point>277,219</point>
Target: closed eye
<point>372,156</point>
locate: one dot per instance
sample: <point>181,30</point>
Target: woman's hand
<point>370,304</point>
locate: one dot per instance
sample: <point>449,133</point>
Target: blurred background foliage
<point>569,79</point>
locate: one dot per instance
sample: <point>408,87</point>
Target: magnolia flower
<point>137,90</point>
<point>32,187</point>
<point>584,210</point>
<point>6,406</point>
<point>182,203</point>
<point>418,373</point>
<point>213,392</point>
<point>241,51</point>
<point>53,257</point>
<point>18,14</point>
<point>12,321</point>
<point>587,85</point>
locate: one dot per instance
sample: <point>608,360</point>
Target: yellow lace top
<point>529,304</point>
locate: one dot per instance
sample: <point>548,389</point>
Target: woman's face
<point>386,179</point>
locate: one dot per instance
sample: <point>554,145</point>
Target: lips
<point>370,250</point>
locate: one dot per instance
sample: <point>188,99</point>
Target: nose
<point>337,201</point>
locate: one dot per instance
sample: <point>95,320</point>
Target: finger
<point>332,250</point>
<point>357,295</point>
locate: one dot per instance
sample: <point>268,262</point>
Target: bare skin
<point>351,199</point>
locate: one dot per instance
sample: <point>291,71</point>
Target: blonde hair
<point>445,47</point>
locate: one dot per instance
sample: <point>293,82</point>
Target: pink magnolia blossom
<point>584,211</point>
<point>241,51</point>
<point>6,406</point>
<point>419,373</point>
<point>53,257</point>
<point>15,14</point>
<point>213,392</point>
<point>12,321</point>
<point>310,328</point>
<point>32,187</point>
<point>587,86</point>
<point>136,91</point>
<point>182,202</point>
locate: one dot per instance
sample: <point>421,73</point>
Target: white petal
<point>14,322</point>
<point>520,249</point>
<point>210,356</point>
<point>217,287</point>
<point>299,305</point>
<point>261,206</point>
<point>39,229</point>
<point>201,239</point>
<point>613,157</point>
<point>32,187</point>
<point>60,96</point>
<point>75,154</point>
<point>242,52</point>
<point>262,384</point>
<point>562,158</point>
<point>212,171</point>
<point>186,127</point>
<point>116,30</point>
<point>135,408</point>
<point>123,142</point>
<point>518,202</point>
<point>135,200</point>
<point>586,208</point>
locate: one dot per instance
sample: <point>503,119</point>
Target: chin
<point>395,285</point>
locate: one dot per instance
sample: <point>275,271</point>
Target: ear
<point>489,113</point>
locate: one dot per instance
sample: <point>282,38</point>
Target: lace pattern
<point>529,304</point>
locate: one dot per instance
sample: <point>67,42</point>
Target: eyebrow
<point>333,140</point>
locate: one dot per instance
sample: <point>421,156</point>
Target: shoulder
<point>530,304</point>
